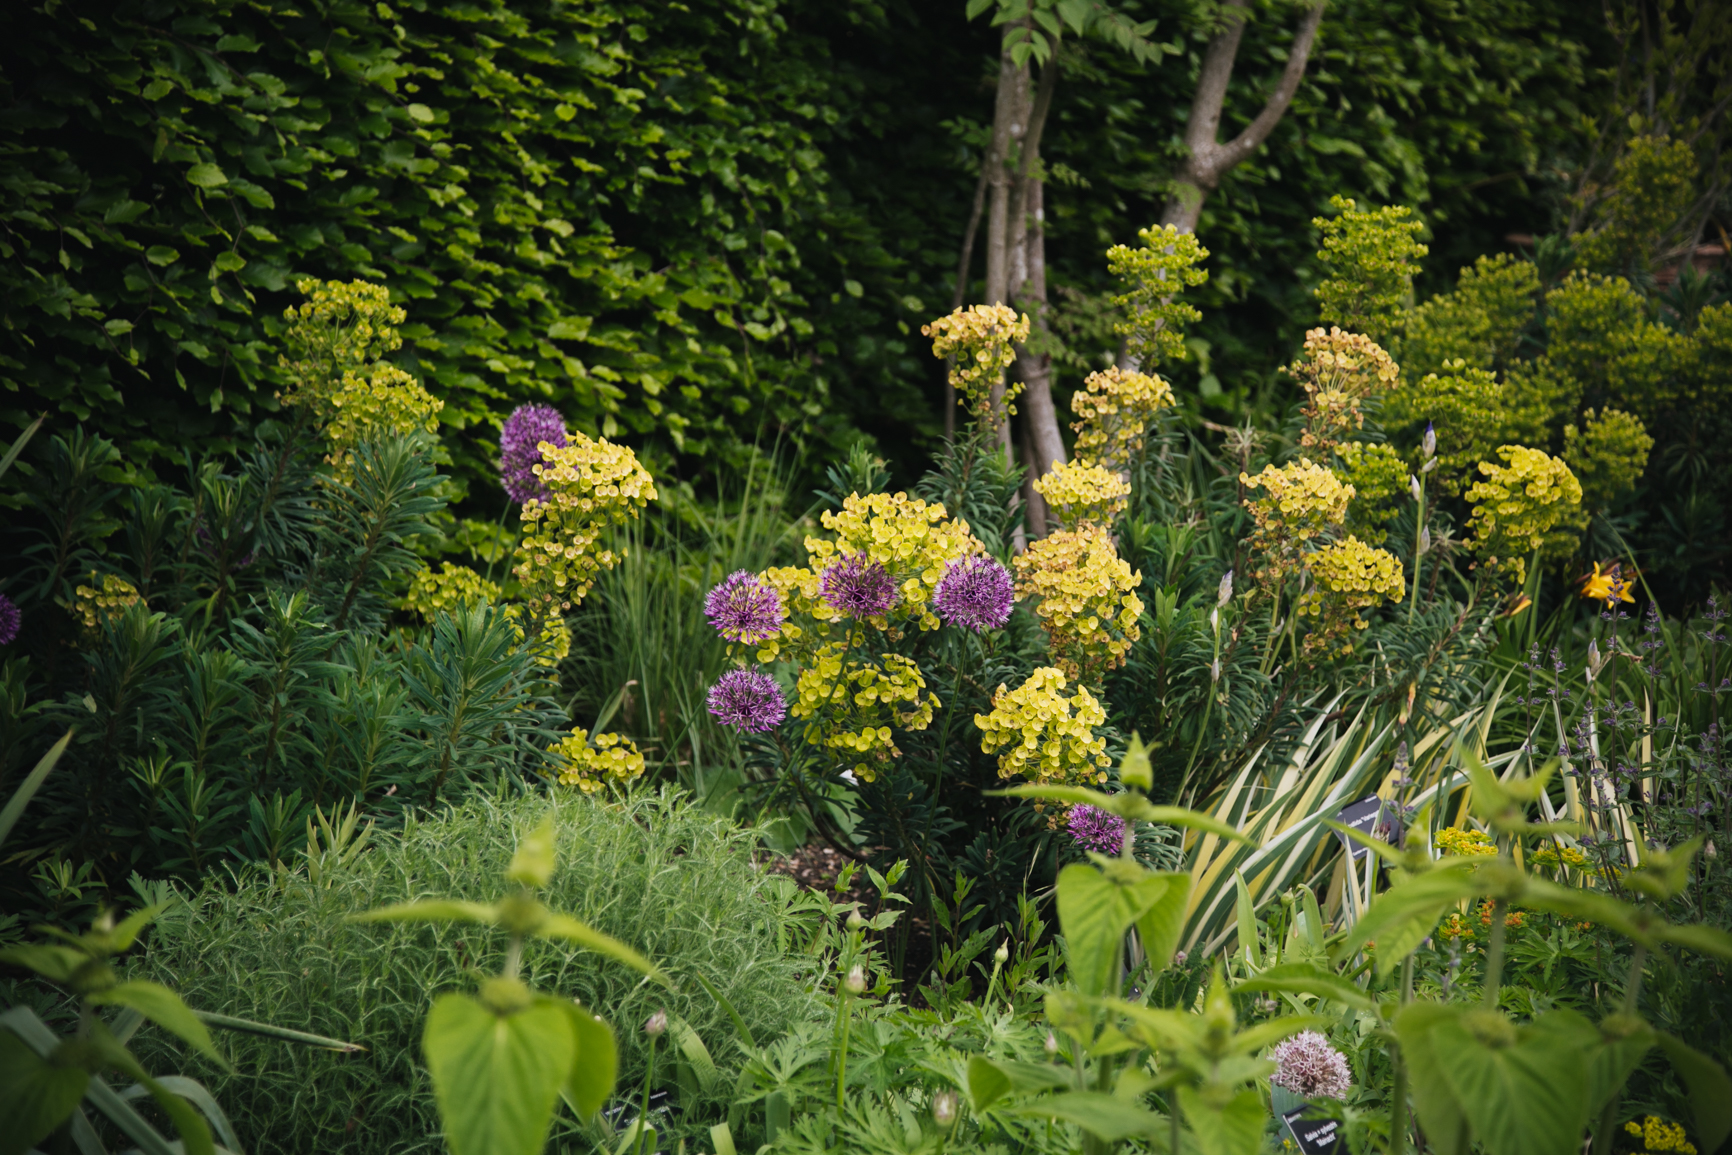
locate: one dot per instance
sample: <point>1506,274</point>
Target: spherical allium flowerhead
<point>974,593</point>
<point>520,449</point>
<point>744,608</point>
<point>10,620</point>
<point>1096,829</point>
<point>749,700</point>
<point>1307,1065</point>
<point>856,585</point>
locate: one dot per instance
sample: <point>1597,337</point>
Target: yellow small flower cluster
<point>105,602</point>
<point>1155,274</point>
<point>340,326</point>
<point>1519,503</point>
<point>453,588</point>
<point>1454,927</point>
<point>1658,1135</point>
<point>1338,370</point>
<point>1083,494</point>
<point>1464,843</point>
<point>1087,604</point>
<point>910,538</point>
<point>1114,409</point>
<point>388,403</point>
<point>589,765</point>
<point>592,484</point>
<point>553,642</point>
<point>982,340</point>
<point>1551,856</point>
<point>853,709</point>
<point>1303,500</point>
<point>1351,576</point>
<point>1046,736</point>
<point>1512,919</point>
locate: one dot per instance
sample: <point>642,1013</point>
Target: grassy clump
<point>671,881</point>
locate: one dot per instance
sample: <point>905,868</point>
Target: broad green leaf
<point>1699,938</point>
<point>206,176</point>
<point>1434,1098</point>
<point>1233,1129</point>
<point>55,963</point>
<point>596,1066</point>
<point>1095,910</point>
<point>986,1084</point>
<point>33,781</point>
<point>164,1008</point>
<point>1135,770</point>
<point>1160,1028</point>
<point>533,863</point>
<point>1419,897</point>
<point>195,1134</point>
<point>1525,1092</point>
<point>1101,1115</point>
<point>563,926</point>
<point>990,1079</point>
<point>1664,873</point>
<point>1614,1048</point>
<point>1593,906</point>
<point>1404,936</point>
<point>496,1076</point>
<point>35,1096</point>
<point>1161,926</point>
<point>1254,1039</point>
<point>431,910</point>
<point>1303,979</point>
<point>121,938</point>
<point>1710,1090</point>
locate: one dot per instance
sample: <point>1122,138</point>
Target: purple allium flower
<point>745,609</point>
<point>748,699</point>
<point>1307,1065</point>
<point>1096,829</point>
<point>520,449</point>
<point>974,593</point>
<point>858,586</point>
<point>10,620</point>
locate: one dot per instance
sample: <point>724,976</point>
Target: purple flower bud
<point>520,449</point>
<point>1413,486</point>
<point>1430,442</point>
<point>10,620</point>
<point>749,700</point>
<point>974,593</point>
<point>1224,594</point>
<point>744,608</point>
<point>858,586</point>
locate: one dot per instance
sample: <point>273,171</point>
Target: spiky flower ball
<point>1307,1065</point>
<point>10,620</point>
<point>748,700</point>
<point>974,593</point>
<point>744,608</point>
<point>1095,829</point>
<point>520,449</point>
<point>857,585</point>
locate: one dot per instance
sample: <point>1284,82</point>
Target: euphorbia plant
<point>502,1057</point>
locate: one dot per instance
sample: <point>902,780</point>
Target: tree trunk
<point>1043,444</point>
<point>960,297</point>
<point>1009,123</point>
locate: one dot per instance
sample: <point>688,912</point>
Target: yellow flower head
<point>105,602</point>
<point>589,765</point>
<point>1518,504</point>
<point>591,485</point>
<point>1114,409</point>
<point>1083,494</point>
<point>1338,371</point>
<point>1301,501</point>
<point>452,589</point>
<point>1087,604</point>
<point>1464,843</point>
<point>1045,736</point>
<point>1657,1135</point>
<point>341,326</point>
<point>1351,576</point>
<point>387,403</point>
<point>1608,585</point>
<point>855,708</point>
<point>982,340</point>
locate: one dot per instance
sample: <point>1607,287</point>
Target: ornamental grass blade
<point>32,783</point>
<point>431,910</point>
<point>272,1031</point>
<point>1305,979</point>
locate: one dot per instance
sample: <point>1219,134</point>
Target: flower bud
<point>1178,958</point>
<point>1051,1043</point>
<point>1428,466</point>
<point>1425,539</point>
<point>855,922</point>
<point>1413,486</point>
<point>944,1108</point>
<point>656,1025</point>
<point>1709,850</point>
<point>1002,954</point>
<point>1594,660</point>
<point>1430,442</point>
<point>856,980</point>
<point>1215,670</point>
<point>1225,593</point>
<point>1215,620</point>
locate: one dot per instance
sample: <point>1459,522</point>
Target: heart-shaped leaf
<point>1710,1090</point>
<point>496,1076</point>
<point>1524,1091</point>
<point>596,1067</point>
<point>35,1096</point>
<point>1233,1129</point>
<point>1095,910</point>
<point>1433,1097</point>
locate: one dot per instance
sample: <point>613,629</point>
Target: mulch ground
<point>816,867</point>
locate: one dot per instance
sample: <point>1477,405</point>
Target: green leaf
<point>990,1079</point>
<point>420,113</point>
<point>1236,1128</point>
<point>121,938</point>
<point>1135,769</point>
<point>164,1008</point>
<point>533,863</point>
<point>1161,926</point>
<point>1246,910</point>
<point>161,255</point>
<point>55,963</point>
<point>496,1077</point>
<point>1104,1116</point>
<point>595,1068</point>
<point>1615,1048</point>
<point>1253,1039</point>
<point>431,910</point>
<point>229,262</point>
<point>1434,1097</point>
<point>1305,979</point>
<point>206,176</point>
<point>563,926</point>
<point>44,765</point>
<point>1132,806</point>
<point>271,1031</point>
<point>985,1082</point>
<point>35,1096</point>
<point>1710,1090</point>
<point>1525,1091</point>
<point>1095,910</point>
<point>1701,939</point>
<point>194,1133</point>
<point>1421,897</point>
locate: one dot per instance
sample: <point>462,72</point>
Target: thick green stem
<point>1604,1133</point>
<point>1494,956</point>
<point>1398,1094</point>
<point>1418,552</point>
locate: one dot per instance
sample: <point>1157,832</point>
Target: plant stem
<point>1418,552</point>
<point>1632,992</point>
<point>643,1111</point>
<point>844,1019</point>
<point>1494,956</point>
<point>1398,1104</point>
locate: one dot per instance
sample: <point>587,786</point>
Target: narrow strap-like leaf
<point>32,783</point>
<point>195,1093</point>
<point>272,1031</point>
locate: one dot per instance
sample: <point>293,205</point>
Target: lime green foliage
<point>1607,454</point>
<point>1369,258</point>
<point>1472,413</point>
<point>1478,323</point>
<point>453,588</point>
<point>384,404</point>
<point>1154,274</point>
<point>1517,506</point>
<point>1602,335</point>
<point>1379,480</point>
<point>340,328</point>
<point>1653,185</point>
<point>655,873</point>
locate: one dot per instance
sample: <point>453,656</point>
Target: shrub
<point>657,874</point>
